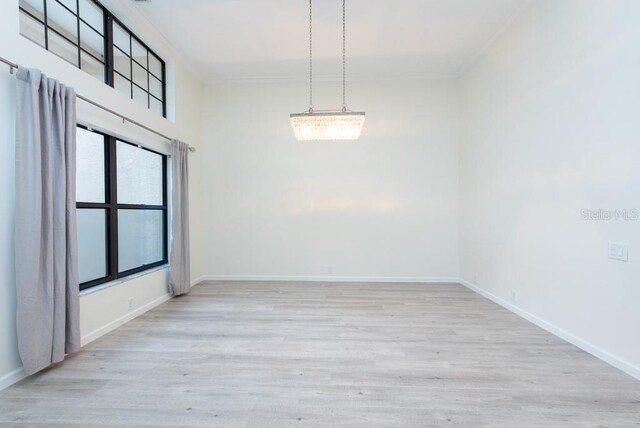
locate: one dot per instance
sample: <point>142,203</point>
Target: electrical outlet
<point>475,279</point>
<point>130,303</point>
<point>513,296</point>
<point>618,251</point>
<point>330,270</point>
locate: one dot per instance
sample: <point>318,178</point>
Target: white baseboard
<point>586,346</point>
<point>198,280</point>
<point>90,337</point>
<point>330,278</point>
<point>11,378</point>
<point>15,376</point>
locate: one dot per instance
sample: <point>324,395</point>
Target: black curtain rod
<point>13,66</point>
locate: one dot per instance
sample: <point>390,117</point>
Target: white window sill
<point>121,280</point>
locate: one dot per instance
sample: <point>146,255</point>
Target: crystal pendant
<point>311,126</point>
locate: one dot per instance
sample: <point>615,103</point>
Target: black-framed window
<point>87,35</point>
<point>138,72</point>
<point>121,208</point>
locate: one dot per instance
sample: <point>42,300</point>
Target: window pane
<point>156,105</point>
<point>140,76</point>
<point>139,53</point>
<point>140,178</point>
<point>34,7</point>
<point>140,238</point>
<point>155,87</point>
<point>31,29</point>
<point>92,66</point>
<point>121,84</point>
<point>140,96</point>
<point>121,38</point>
<point>122,63</point>
<point>91,41</point>
<point>155,66</point>
<point>63,48</point>
<point>63,21</point>
<point>92,15</point>
<point>92,244</point>
<point>90,174</point>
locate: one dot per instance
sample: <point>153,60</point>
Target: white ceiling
<point>386,39</point>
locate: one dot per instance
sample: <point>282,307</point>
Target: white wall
<point>107,308</point>
<point>550,126</point>
<point>382,207</point>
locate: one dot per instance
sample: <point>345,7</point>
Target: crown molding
<point>274,79</point>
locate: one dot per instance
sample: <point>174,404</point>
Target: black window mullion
<point>93,283</point>
<point>164,88</point>
<point>107,199</point>
<point>35,18</point>
<point>113,211</point>
<point>46,26</point>
<point>79,41</point>
<point>140,207</point>
<point>136,61</point>
<point>64,6</point>
<point>138,86</point>
<point>121,75</point>
<point>108,48</point>
<point>93,205</point>
<point>141,269</point>
<point>53,30</point>
<point>148,82</point>
<point>92,27</point>
<point>131,62</point>
<point>93,56</point>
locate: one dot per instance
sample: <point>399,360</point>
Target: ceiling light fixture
<point>340,124</point>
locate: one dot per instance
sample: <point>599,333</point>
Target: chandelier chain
<point>310,57</point>
<point>344,56</point>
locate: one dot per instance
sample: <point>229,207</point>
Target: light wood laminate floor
<point>319,354</point>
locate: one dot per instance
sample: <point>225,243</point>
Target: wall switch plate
<point>618,251</point>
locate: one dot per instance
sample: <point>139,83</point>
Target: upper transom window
<point>86,34</point>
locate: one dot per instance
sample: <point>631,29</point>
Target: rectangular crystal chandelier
<point>338,125</point>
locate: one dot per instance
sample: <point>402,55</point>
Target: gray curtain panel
<point>179,272</point>
<point>45,232</point>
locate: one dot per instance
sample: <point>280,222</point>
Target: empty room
<point>322,213</point>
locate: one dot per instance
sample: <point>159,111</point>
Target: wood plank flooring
<point>257,354</point>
